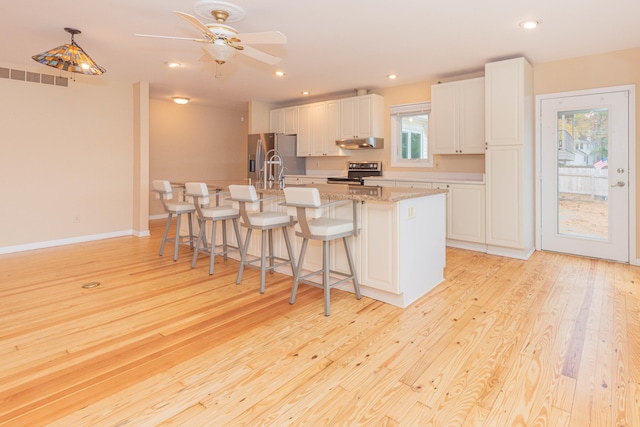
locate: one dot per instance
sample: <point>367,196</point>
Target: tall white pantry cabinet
<point>509,117</point>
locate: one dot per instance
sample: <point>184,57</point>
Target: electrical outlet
<point>411,212</point>
<point>76,219</point>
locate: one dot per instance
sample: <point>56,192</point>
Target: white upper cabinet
<point>284,120</point>
<point>318,125</point>
<point>333,130</point>
<point>507,98</point>
<point>362,116</point>
<point>318,129</point>
<point>457,117</point>
<point>304,131</point>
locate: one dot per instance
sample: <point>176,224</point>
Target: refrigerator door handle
<point>260,159</point>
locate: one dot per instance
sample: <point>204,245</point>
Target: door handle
<point>618,184</point>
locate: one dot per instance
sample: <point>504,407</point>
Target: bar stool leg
<point>224,239</point>
<point>356,285</point>
<point>176,242</point>
<point>325,276</point>
<point>199,241</point>
<point>214,225</point>
<point>190,231</point>
<point>166,232</point>
<point>263,260</point>
<point>236,228</point>
<point>287,242</point>
<point>243,256</point>
<point>294,289</point>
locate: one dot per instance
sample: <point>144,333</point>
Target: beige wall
<point>192,142</point>
<point>66,159</point>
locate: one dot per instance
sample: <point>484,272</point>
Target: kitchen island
<point>399,251</point>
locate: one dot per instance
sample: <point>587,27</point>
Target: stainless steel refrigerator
<point>261,143</point>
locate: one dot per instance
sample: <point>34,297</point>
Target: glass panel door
<point>584,182</point>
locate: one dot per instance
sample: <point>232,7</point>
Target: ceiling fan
<point>221,41</point>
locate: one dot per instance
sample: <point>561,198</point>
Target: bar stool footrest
<point>345,278</point>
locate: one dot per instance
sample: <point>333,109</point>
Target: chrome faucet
<point>273,170</point>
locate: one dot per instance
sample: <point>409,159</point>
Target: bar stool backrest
<point>198,190</point>
<point>247,194</point>
<point>308,197</point>
<point>162,187</point>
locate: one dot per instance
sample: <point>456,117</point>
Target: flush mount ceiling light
<point>280,73</point>
<point>174,64</point>
<point>392,76</point>
<point>305,92</point>
<point>180,100</point>
<point>70,57</point>
<point>530,24</point>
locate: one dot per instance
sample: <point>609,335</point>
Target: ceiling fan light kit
<point>221,41</point>
<point>220,51</point>
<point>70,57</point>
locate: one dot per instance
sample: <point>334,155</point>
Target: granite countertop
<point>338,191</point>
<point>363,192</point>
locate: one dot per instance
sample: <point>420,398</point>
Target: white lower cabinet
<point>509,202</point>
<point>379,247</point>
<point>466,213</point>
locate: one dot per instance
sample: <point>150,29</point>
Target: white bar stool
<point>164,192</point>
<point>200,194</point>
<point>306,206</point>
<point>266,222</point>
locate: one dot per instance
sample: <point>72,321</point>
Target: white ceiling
<point>334,46</point>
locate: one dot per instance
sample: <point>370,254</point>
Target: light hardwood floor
<point>552,341</point>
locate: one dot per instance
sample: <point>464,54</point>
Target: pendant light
<point>70,57</point>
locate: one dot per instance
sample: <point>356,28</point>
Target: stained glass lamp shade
<point>70,57</point>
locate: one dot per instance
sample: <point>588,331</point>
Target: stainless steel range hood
<point>360,143</point>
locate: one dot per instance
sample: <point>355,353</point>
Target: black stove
<point>356,172</point>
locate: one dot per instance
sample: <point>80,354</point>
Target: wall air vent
<point>28,76</point>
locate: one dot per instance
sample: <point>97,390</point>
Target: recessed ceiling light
<point>280,73</point>
<point>530,25</point>
<point>174,64</point>
<point>392,76</point>
<point>180,100</point>
<point>305,92</point>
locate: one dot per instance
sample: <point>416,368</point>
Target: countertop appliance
<point>356,172</point>
<point>262,143</point>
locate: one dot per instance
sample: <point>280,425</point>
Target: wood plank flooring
<point>552,341</point>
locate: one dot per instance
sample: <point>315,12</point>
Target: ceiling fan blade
<point>266,37</point>
<point>172,37</point>
<point>196,23</point>
<point>259,55</point>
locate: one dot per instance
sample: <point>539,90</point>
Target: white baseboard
<point>472,246</point>
<point>524,254</point>
<point>71,241</point>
